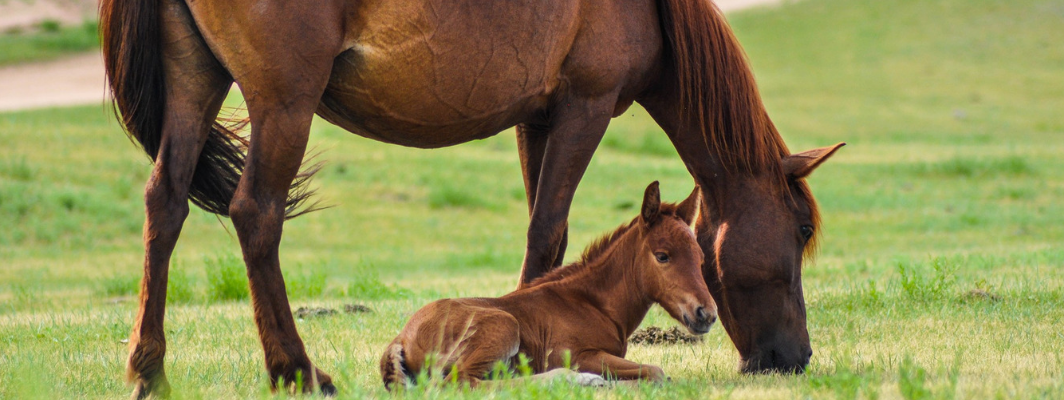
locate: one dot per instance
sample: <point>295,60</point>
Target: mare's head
<point>671,261</point>
<point>760,229</point>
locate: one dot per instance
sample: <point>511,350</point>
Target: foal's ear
<point>687,210</point>
<point>651,204</point>
<point>800,165</point>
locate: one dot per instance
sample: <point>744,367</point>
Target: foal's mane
<point>598,247</point>
<point>591,253</point>
<point>718,91</point>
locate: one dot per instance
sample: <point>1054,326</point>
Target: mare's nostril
<point>701,313</point>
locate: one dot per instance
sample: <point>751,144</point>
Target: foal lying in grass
<point>588,308</point>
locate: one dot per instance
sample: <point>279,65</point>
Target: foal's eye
<point>807,232</point>
<point>661,257</point>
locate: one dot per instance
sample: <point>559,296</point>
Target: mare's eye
<point>661,257</point>
<point>807,232</point>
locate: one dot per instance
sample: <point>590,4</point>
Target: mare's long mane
<point>718,91</point>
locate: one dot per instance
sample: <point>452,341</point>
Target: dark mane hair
<point>717,87</point>
<point>718,91</point>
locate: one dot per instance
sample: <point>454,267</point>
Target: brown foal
<point>588,308</point>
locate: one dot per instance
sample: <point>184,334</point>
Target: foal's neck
<point>613,284</point>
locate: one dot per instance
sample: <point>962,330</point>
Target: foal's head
<point>671,260</point>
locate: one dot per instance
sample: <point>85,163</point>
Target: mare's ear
<point>800,165</point>
<point>687,210</point>
<point>651,204</point>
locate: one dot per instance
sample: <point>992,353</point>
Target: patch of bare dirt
<point>77,80</point>
<point>653,335</point>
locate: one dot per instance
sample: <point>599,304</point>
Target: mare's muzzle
<point>778,358</point>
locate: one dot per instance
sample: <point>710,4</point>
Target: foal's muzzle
<point>700,322</point>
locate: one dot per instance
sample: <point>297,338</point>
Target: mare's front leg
<point>617,368</point>
<point>196,87</point>
<point>576,126</point>
<point>531,147</point>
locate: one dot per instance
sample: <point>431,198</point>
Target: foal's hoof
<point>574,377</point>
<point>587,379</point>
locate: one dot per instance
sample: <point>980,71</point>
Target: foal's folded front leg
<point>617,368</point>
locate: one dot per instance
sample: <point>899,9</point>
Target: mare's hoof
<point>328,390</point>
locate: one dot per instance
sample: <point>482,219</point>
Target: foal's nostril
<point>701,313</point>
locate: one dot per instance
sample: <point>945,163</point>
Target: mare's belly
<point>429,75</point>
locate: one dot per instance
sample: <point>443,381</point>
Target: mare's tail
<point>131,38</point>
<point>393,367</point>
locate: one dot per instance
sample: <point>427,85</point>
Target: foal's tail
<point>393,366</point>
<point>133,57</point>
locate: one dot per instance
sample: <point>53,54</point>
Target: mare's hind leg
<point>193,100</point>
<point>282,73</point>
<point>278,142</point>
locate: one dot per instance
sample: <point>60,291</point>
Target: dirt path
<point>79,80</point>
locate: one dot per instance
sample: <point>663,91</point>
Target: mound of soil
<point>980,294</point>
<point>657,336</point>
<point>307,312</point>
<point>356,308</point>
<point>310,312</point>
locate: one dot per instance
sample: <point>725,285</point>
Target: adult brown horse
<point>588,308</point>
<point>430,73</point>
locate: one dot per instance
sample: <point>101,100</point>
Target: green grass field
<point>941,273</point>
<point>48,41</point>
